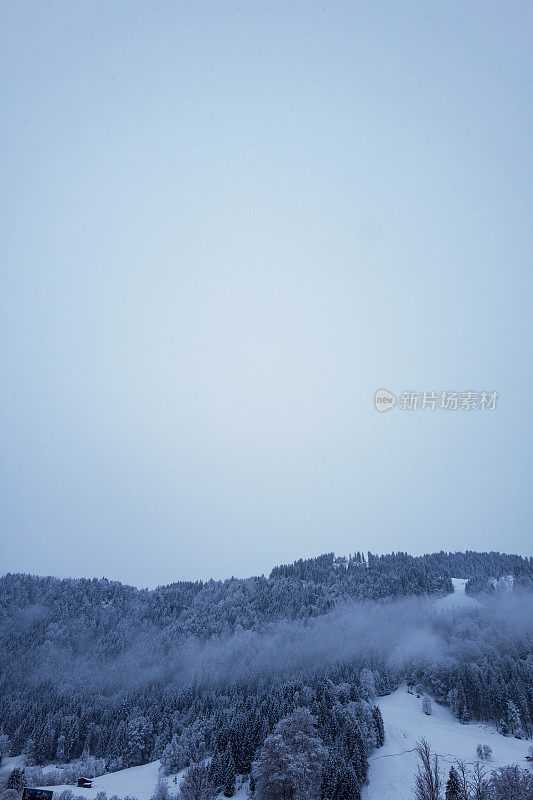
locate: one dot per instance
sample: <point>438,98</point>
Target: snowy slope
<point>456,600</point>
<point>133,782</point>
<point>393,766</point>
<point>139,782</point>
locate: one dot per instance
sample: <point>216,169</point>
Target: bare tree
<point>479,785</point>
<point>512,783</point>
<point>428,783</point>
<point>462,771</point>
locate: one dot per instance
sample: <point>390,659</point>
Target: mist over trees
<point>244,672</point>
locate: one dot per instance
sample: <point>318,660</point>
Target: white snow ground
<point>137,782</point>
<point>393,766</point>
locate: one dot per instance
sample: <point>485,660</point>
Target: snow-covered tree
<point>514,723</point>
<point>272,770</point>
<point>138,736</point>
<point>290,762</point>
<point>86,752</point>
<point>453,787</point>
<point>229,774</point>
<point>428,784</point>
<point>4,746</point>
<point>479,785</point>
<point>60,749</point>
<point>368,685</point>
<point>17,779</point>
<point>161,791</point>
<point>339,780</point>
<point>172,756</point>
<point>426,705</point>
<point>196,784</point>
<point>30,752</point>
<point>9,794</point>
<point>512,783</point>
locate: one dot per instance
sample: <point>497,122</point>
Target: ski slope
<point>459,599</point>
<point>393,766</point>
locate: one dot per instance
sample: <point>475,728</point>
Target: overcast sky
<point>224,225</point>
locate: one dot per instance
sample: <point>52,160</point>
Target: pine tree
<point>60,749</point>
<point>17,779</point>
<point>86,752</point>
<point>378,724</point>
<point>368,686</point>
<point>216,770</point>
<point>170,757</point>
<point>30,752</point>
<point>196,784</point>
<point>4,746</point>
<point>453,787</point>
<point>229,776</point>
<point>514,723</point>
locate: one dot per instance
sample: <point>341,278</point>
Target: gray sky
<point>225,225</point>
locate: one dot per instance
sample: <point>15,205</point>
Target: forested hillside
<point>93,668</point>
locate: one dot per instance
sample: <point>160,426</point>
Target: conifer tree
<point>60,749</point>
<point>229,776</point>
<point>453,787</point>
<point>17,779</point>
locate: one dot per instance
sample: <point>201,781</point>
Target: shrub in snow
<point>72,772</point>
<point>34,776</point>
<point>161,790</point>
<point>9,794</point>
<point>512,783</point>
<point>101,796</point>
<point>66,794</point>
<point>52,777</point>
<point>91,767</point>
<point>426,706</point>
<point>484,751</point>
